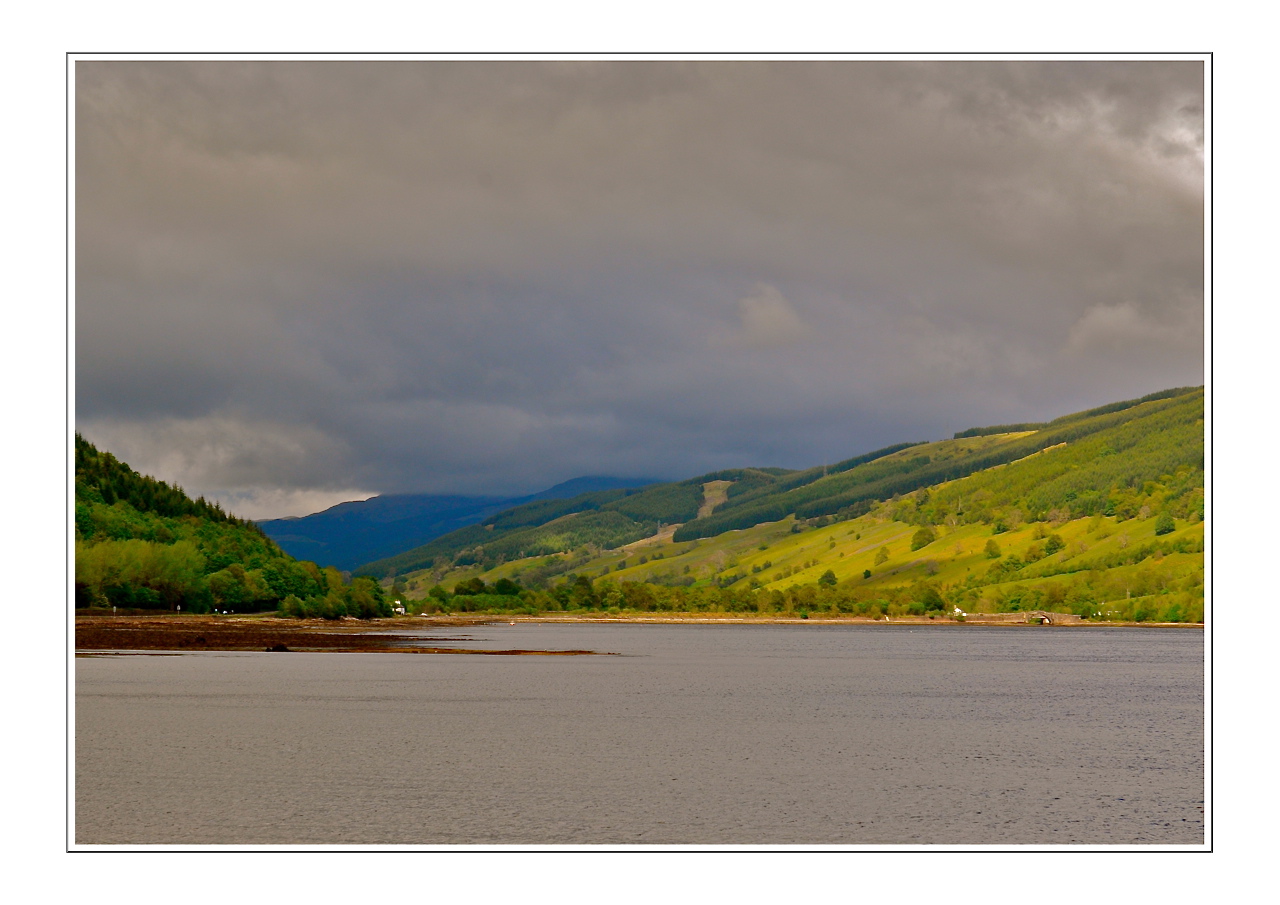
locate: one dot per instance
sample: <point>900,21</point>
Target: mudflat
<point>231,633</point>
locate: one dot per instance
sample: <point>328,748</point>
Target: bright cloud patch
<point>767,318</point>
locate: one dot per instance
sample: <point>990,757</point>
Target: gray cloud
<point>299,281</point>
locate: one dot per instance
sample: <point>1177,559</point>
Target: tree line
<point>1158,591</point>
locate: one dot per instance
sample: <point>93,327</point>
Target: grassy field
<point>785,555</point>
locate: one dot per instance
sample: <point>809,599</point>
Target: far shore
<point>266,632</point>
<point>705,619</point>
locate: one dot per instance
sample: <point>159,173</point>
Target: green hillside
<point>849,491</point>
<point>143,544</point>
<point>1099,512</point>
<point>611,519</point>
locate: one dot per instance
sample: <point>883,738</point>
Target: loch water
<point>719,735</point>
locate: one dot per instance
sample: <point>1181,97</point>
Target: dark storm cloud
<point>296,282</point>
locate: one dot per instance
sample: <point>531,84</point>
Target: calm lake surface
<point>765,735</point>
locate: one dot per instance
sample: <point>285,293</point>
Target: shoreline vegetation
<point>169,632</point>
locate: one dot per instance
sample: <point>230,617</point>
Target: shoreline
<point>178,633</point>
<point>703,619</point>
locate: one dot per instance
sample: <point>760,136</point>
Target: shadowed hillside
<point>349,534</point>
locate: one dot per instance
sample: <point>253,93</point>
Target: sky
<point>297,283</point>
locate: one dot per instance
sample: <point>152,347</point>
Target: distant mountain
<point>349,534</point>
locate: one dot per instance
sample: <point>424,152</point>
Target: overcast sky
<point>303,282</point>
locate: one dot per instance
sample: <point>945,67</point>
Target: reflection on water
<point>852,735</point>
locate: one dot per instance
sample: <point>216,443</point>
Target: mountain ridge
<point>357,531</point>
<point>756,496</point>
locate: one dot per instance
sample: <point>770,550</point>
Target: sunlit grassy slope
<point>1112,498</point>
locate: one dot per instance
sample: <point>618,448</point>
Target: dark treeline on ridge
<point>852,493</point>
<point>1089,413</point>
<point>111,481</point>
